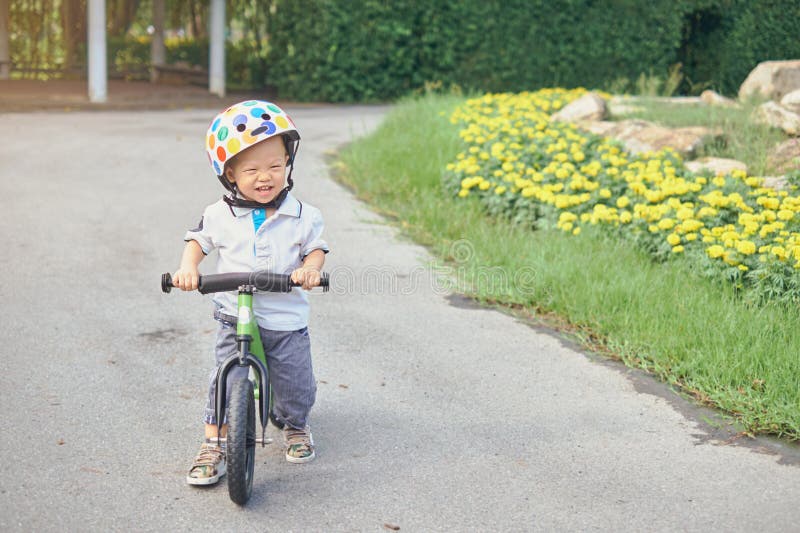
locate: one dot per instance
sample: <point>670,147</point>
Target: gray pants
<point>291,376</point>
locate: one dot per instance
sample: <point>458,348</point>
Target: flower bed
<point>549,174</point>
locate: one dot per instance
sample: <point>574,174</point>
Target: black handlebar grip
<point>325,281</point>
<point>166,282</point>
<point>223,282</point>
<point>267,281</point>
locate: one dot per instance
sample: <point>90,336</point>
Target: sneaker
<point>299,444</point>
<point>209,465</point>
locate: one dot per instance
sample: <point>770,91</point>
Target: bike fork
<point>243,359</point>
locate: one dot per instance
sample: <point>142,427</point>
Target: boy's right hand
<point>186,279</point>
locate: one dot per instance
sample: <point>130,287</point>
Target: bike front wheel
<point>241,441</point>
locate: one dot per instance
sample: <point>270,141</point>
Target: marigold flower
<point>746,247</point>
<point>666,224</point>
<point>715,251</point>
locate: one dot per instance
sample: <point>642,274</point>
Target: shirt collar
<point>289,207</point>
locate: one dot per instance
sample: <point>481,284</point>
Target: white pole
<point>216,52</point>
<point>157,52</point>
<point>5,56</point>
<point>98,77</point>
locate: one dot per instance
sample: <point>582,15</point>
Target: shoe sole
<point>206,480</point>
<point>300,460</point>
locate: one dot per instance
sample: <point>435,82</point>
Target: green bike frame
<point>250,354</point>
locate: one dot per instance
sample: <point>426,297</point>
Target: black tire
<point>241,442</point>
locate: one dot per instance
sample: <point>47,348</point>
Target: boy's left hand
<point>308,277</point>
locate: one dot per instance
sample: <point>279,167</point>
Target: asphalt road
<point>432,414</point>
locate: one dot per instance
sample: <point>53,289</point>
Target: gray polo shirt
<point>278,245</point>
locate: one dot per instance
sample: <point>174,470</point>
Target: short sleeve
<point>313,238</point>
<point>201,234</point>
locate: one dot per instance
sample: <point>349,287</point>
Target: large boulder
<point>642,136</point>
<point>779,117</point>
<point>785,157</point>
<point>791,101</point>
<point>590,106</point>
<point>716,165</point>
<point>772,79</point>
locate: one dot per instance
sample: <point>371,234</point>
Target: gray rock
<point>785,157</point>
<point>791,101</point>
<point>642,136</point>
<point>590,106</point>
<point>779,117</point>
<point>779,183</point>
<point>715,165</point>
<point>772,79</point>
<point>714,98</point>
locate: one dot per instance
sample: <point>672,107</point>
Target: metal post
<point>5,56</point>
<point>157,52</point>
<point>98,76</point>
<point>216,52</point>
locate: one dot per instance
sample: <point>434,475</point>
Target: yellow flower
<point>779,252</point>
<point>746,247</point>
<point>673,239</point>
<point>500,190</point>
<point>666,223</point>
<point>576,231</point>
<point>715,251</point>
<point>463,192</point>
<point>677,249</point>
<point>623,202</point>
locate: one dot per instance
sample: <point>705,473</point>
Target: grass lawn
<point>689,331</point>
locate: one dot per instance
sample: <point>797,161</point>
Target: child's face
<point>259,172</point>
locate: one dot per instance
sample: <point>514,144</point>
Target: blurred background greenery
<point>370,50</point>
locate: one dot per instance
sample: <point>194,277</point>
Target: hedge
<point>335,50</point>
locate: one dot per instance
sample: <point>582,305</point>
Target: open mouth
<point>264,189</point>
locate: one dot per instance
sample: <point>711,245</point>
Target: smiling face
<point>259,172</point>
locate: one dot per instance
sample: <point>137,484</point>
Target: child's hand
<point>186,278</point>
<point>307,276</point>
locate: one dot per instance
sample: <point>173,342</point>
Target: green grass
<point>745,141</point>
<point>661,317</point>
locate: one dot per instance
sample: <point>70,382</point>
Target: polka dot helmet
<point>243,125</point>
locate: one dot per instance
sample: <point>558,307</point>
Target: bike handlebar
<point>231,281</point>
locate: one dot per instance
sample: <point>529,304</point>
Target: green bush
<point>368,50</point>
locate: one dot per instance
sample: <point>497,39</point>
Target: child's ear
<point>229,174</point>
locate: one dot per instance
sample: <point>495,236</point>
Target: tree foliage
<point>354,50</point>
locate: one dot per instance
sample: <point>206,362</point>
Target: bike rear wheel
<point>241,441</point>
